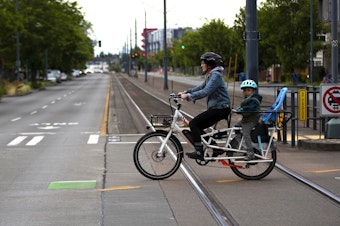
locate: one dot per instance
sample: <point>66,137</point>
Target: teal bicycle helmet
<point>248,84</point>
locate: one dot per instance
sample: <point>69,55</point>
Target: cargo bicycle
<point>158,154</point>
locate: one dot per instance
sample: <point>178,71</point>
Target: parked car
<point>51,77</point>
<point>98,70</point>
<point>63,76</point>
<point>75,73</point>
<point>55,73</point>
<point>89,71</point>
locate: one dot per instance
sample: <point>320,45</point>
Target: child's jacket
<point>249,108</point>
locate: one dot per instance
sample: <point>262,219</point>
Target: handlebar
<point>175,96</point>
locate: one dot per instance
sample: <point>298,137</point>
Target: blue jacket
<point>213,88</point>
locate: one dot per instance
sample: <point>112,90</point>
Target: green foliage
<point>303,77</point>
<point>285,30</point>
<point>284,26</point>
<point>1,92</point>
<point>23,89</point>
<point>213,36</point>
<point>283,78</point>
<point>55,27</point>
<point>15,88</point>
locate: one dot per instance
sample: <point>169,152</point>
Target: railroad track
<point>154,101</point>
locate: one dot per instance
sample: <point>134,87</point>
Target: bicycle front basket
<point>161,120</point>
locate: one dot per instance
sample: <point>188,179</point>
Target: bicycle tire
<point>253,171</point>
<point>157,167</point>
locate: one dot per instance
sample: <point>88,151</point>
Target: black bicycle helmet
<point>212,59</point>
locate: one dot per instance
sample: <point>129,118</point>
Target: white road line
<point>35,140</point>
<point>33,112</point>
<point>15,119</point>
<point>43,107</point>
<point>17,141</point>
<point>93,139</point>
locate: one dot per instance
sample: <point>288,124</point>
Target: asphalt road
<point>50,140</point>
<point>51,149</point>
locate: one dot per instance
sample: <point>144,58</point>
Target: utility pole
<point>252,39</point>
<point>335,42</point>
<point>311,63</point>
<point>146,52</point>
<point>165,52</point>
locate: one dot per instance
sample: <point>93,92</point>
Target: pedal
<point>201,162</point>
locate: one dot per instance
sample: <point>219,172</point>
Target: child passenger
<point>249,109</point>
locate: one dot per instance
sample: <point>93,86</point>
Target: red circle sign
<point>331,100</point>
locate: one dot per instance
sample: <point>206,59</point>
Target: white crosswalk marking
<point>17,141</point>
<point>93,139</point>
<point>35,140</point>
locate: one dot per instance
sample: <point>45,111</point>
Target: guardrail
<point>314,121</point>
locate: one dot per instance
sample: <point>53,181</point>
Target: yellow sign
<point>302,104</point>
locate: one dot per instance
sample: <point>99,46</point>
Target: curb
<point>320,144</point>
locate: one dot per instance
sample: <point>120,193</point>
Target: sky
<point>114,21</point>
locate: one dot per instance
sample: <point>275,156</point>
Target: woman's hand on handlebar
<point>184,96</point>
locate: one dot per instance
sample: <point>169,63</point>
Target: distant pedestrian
<point>327,79</point>
<point>268,77</point>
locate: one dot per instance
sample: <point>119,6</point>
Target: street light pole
<point>252,39</point>
<point>165,52</point>
<point>17,45</point>
<point>335,42</point>
<point>311,63</point>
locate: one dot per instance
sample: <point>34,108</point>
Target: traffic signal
<point>145,40</point>
<point>100,43</point>
<point>134,55</point>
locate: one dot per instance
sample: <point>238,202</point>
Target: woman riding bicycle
<point>218,101</point>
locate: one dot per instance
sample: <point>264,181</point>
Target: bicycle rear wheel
<point>253,171</point>
<point>152,165</point>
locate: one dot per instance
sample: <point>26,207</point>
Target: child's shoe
<point>249,156</point>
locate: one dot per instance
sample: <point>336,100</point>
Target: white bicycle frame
<point>231,133</point>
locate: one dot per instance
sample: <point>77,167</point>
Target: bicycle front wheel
<point>154,163</point>
<point>255,170</point>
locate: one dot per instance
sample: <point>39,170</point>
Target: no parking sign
<point>330,100</point>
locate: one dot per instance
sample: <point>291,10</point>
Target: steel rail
<point>216,209</point>
<point>311,184</point>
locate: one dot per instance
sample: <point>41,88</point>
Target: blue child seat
<point>270,117</point>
